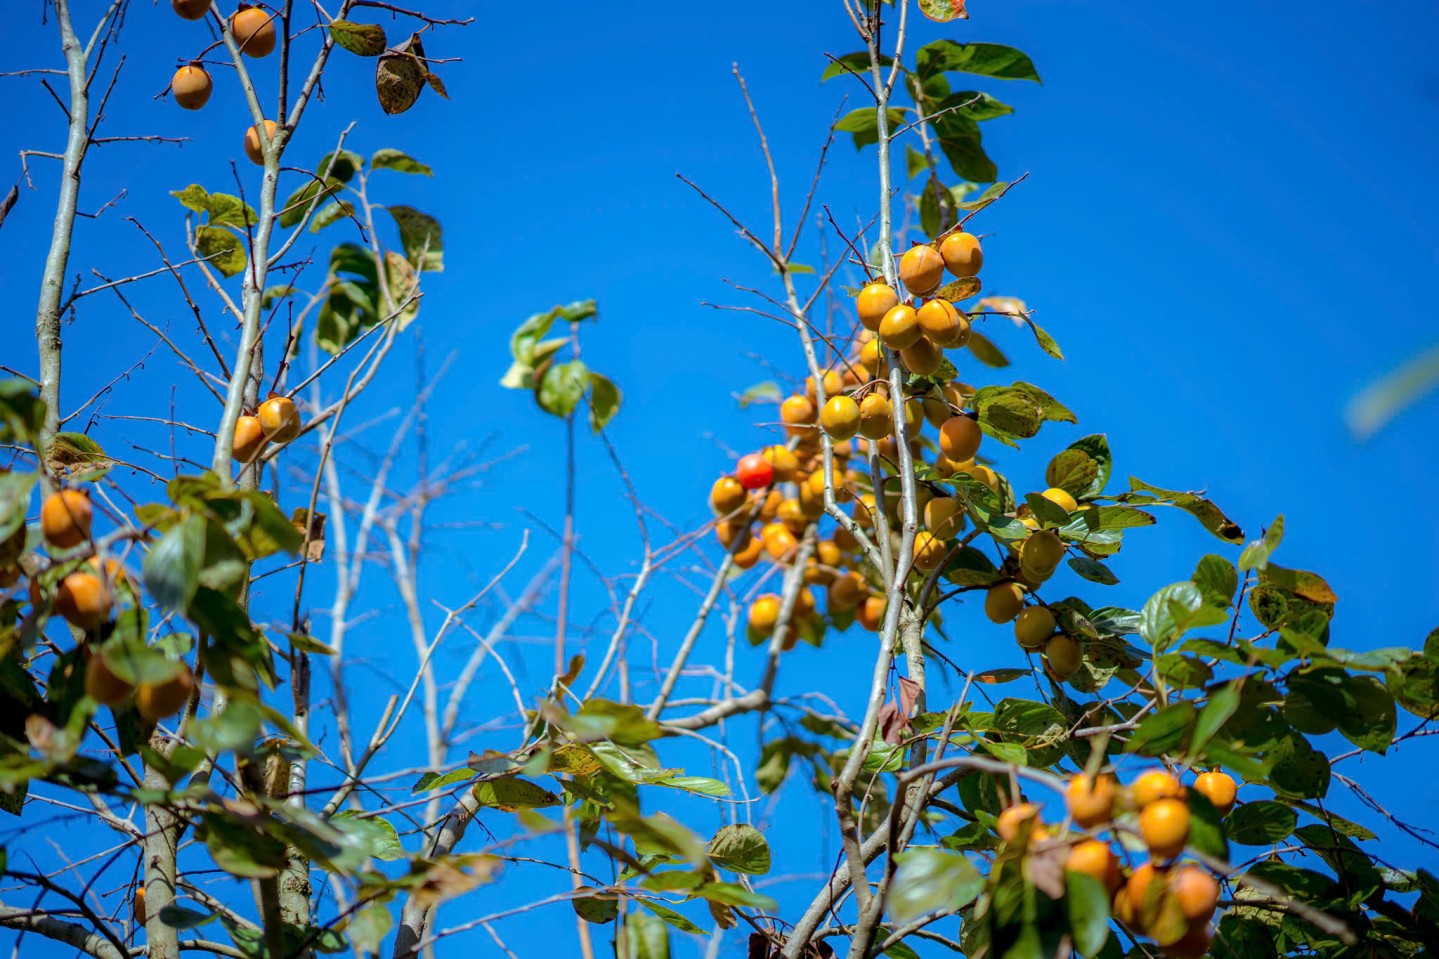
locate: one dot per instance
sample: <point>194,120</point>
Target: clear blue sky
<point>1227,225</point>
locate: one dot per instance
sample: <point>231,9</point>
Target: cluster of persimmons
<point>772,504</point>
<point>77,580</point>
<point>253,31</point>
<point>774,498</point>
<point>1163,898</point>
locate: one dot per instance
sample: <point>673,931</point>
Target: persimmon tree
<point>1137,781</point>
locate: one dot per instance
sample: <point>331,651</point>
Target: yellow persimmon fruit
<point>1033,626</point>
<point>784,461</point>
<point>279,418</point>
<point>727,495</point>
<point>192,86</point>
<point>961,254</point>
<point>155,701</point>
<point>101,684</point>
<point>764,614</point>
<point>254,31</point>
<point>876,417</point>
<point>733,533</point>
<point>747,555</point>
<point>1041,553</point>
<point>1196,891</point>
<point>1096,860</point>
<point>1061,498</point>
<point>922,357</point>
<point>249,439</point>
<point>943,323</point>
<point>797,411</point>
<point>929,551</point>
<point>66,517</point>
<point>920,269</point>
<point>254,145</point>
<point>870,613</point>
<point>944,516</point>
<point>84,600</point>
<point>1090,800</point>
<point>900,327</point>
<point>779,541</point>
<point>840,417</point>
<point>873,302</point>
<point>846,591</point>
<point>1012,822</point>
<point>1154,785</point>
<point>1003,602</point>
<point>1164,825</point>
<point>1219,788</point>
<point>190,9</point>
<point>959,438</point>
<point>1064,654</point>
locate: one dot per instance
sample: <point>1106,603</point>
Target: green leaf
<point>851,64</point>
<point>739,847</point>
<point>961,143</point>
<point>1256,554</point>
<point>863,124</point>
<point>375,833</point>
<point>21,411</point>
<point>421,236</point>
<point>1211,517</point>
<point>984,350</point>
<point>604,401</point>
<point>1217,580</point>
<point>672,917</point>
<point>1213,716</point>
<point>430,781</point>
<point>562,387</point>
<point>1298,769</point>
<point>1261,823</point>
<point>172,566</point>
<point>331,214</point>
<point>307,197</point>
<point>594,906</point>
<point>1087,902</point>
<point>227,210</point>
<point>513,793</point>
<point>931,879</point>
<point>1174,610</point>
<point>193,197</point>
<point>984,59</point>
<point>1206,828</point>
<point>645,936</point>
<point>361,39</point>
<point>1092,570</point>
<point>973,105</point>
<point>400,162</point>
<point>340,165</point>
<point>14,500</point>
<point>699,785</point>
<point>221,248</point>
<point>368,927</point>
<point>733,894</point>
<point>179,917</point>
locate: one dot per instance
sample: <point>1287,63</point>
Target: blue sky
<point>1227,225</point>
